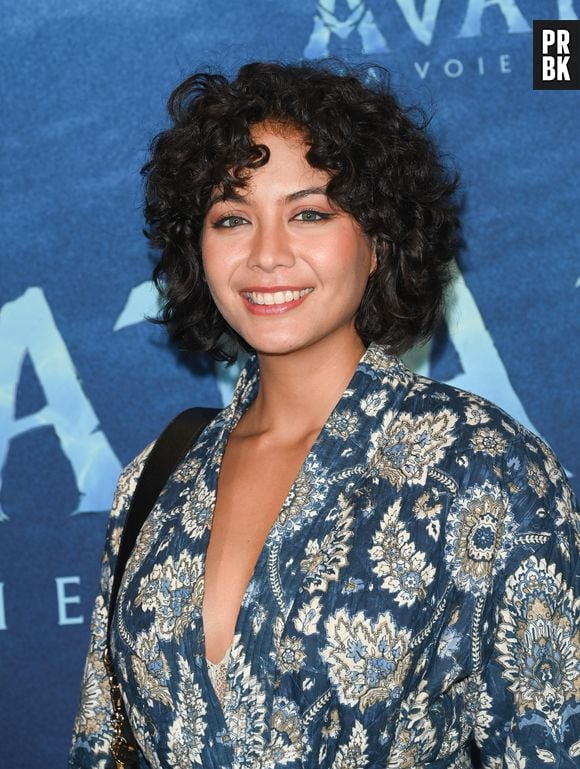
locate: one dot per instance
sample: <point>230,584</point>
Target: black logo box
<point>564,50</point>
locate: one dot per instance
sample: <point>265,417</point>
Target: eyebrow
<point>290,198</point>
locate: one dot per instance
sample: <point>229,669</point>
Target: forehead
<point>287,148</point>
<point>282,130</point>
<point>286,171</point>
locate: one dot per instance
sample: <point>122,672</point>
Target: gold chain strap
<point>123,752</point>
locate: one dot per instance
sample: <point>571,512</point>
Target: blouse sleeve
<point>529,709</point>
<point>92,728</point>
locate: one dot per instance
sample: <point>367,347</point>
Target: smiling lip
<point>273,309</point>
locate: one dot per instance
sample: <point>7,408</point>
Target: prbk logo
<point>556,55</point>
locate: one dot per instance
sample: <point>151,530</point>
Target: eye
<point>311,215</point>
<point>228,222</point>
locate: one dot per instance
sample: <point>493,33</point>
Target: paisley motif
<point>415,603</point>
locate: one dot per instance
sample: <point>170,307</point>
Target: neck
<point>299,390</point>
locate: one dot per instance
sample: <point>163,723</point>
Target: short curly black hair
<point>384,170</point>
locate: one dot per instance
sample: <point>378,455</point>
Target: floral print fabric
<point>415,603</point>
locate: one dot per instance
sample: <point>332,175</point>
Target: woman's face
<point>286,268</point>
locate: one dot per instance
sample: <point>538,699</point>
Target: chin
<point>276,346</point>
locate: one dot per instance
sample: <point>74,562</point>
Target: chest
<point>340,609</point>
<point>253,484</point>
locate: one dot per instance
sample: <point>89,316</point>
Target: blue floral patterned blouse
<point>415,603</point>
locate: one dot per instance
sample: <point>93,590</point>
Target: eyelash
<point>220,223</point>
<point>321,216</point>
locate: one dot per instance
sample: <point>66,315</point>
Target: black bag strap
<point>169,449</point>
<point>171,446</point>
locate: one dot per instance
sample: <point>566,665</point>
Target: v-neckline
<point>265,545</point>
<point>250,382</point>
<point>244,395</point>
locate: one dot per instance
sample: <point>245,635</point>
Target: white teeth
<point>278,297</point>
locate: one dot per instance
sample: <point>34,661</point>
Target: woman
<point>391,570</point>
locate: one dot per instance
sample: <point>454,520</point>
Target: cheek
<point>208,274</point>
<point>353,257</point>
<point>211,277</point>
<point>212,261</point>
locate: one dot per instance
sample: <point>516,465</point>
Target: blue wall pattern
<point>85,383</point>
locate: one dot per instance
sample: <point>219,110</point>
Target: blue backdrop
<point>85,383</point>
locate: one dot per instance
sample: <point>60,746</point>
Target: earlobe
<point>381,249</point>
<point>374,258</point>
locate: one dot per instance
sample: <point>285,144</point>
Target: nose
<point>271,247</point>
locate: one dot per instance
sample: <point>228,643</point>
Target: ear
<point>374,257</point>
